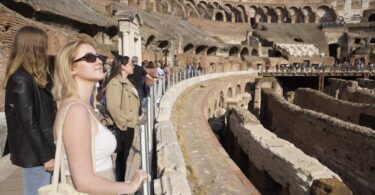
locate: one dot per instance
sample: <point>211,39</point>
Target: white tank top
<point>105,145</point>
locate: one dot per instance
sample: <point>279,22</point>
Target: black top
<point>138,77</point>
<point>30,113</point>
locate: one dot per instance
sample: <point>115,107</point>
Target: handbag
<point>62,187</point>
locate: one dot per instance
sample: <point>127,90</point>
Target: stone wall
<point>349,91</point>
<point>358,113</point>
<point>3,133</point>
<point>366,83</point>
<point>280,159</point>
<point>171,168</point>
<point>346,148</point>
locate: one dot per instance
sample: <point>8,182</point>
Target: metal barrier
<point>157,90</point>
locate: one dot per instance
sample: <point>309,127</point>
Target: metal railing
<point>156,92</point>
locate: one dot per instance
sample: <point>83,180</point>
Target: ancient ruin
<point>285,104</point>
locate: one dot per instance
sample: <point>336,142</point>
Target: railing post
<point>145,160</point>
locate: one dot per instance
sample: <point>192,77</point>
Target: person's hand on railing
<point>139,177</point>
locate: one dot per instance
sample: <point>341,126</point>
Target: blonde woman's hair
<point>30,51</point>
<point>64,84</point>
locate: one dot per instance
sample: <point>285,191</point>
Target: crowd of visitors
<point>338,67</point>
<point>44,101</point>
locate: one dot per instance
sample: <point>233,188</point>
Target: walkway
<point>210,169</point>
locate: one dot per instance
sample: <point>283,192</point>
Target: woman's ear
<point>122,66</point>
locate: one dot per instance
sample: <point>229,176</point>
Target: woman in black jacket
<point>30,109</point>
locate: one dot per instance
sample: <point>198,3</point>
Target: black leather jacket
<point>30,120</point>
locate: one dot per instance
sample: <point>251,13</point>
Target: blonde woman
<point>30,109</point>
<point>123,105</point>
<point>78,67</point>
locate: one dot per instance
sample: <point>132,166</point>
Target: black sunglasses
<point>91,58</point>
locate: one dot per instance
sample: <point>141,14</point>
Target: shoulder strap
<point>59,168</point>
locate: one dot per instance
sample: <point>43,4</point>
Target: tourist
<point>122,104</point>
<point>89,164</point>
<point>138,79</point>
<point>30,109</point>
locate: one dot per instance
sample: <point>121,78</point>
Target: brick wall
<point>352,112</point>
<point>11,21</point>
<point>349,91</point>
<point>346,148</point>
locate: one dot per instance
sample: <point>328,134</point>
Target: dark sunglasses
<point>91,58</point>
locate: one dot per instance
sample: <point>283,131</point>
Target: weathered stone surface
<point>349,91</point>
<point>329,187</point>
<point>366,83</point>
<point>285,163</point>
<point>344,147</point>
<point>344,110</point>
<point>3,132</point>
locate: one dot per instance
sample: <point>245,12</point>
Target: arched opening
<point>273,15</point>
<point>238,89</point>
<point>221,100</point>
<point>372,41</point>
<point>325,14</point>
<point>254,52</point>
<point>188,48</point>
<point>211,51</point>
<point>371,18</point>
<point>356,18</point>
<point>308,14</point>
<point>233,51</point>
<point>252,12</point>
<point>150,40</point>
<point>200,49</point>
<point>219,16</point>
<point>244,53</point>
<point>299,40</point>
<point>230,92</point>
<point>163,44</point>
<point>296,15</point>
<point>242,9</point>
<point>333,50</point>
<point>237,15</point>
<point>274,53</point>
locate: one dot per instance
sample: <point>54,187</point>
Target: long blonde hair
<point>30,51</point>
<point>64,84</point>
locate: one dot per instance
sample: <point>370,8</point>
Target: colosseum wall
<point>366,83</point>
<point>358,113</point>
<point>349,91</point>
<point>334,142</point>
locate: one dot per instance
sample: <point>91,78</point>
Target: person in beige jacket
<point>122,105</point>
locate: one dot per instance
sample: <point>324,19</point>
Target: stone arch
<point>296,15</point>
<point>164,7</point>
<point>203,10</point>
<point>261,15</point>
<point>244,52</point>
<point>243,11</point>
<point>325,14</point>
<point>281,13</point>
<point>150,40</point>
<point>234,51</point>
<point>272,14</point>
<point>308,14</point>
<point>217,5</point>
<point>227,8</point>
<point>238,14</point>
<point>189,48</point>
<point>372,41</point>
<point>201,49</point>
<point>355,18</point>
<point>221,99</point>
<point>254,52</point>
<point>252,13</point>
<point>219,16</point>
<point>230,92</point>
<point>191,9</point>
<point>371,18</point>
<point>179,9</point>
<point>274,53</point>
<point>334,50</point>
<point>163,44</point>
<point>238,89</point>
<point>212,51</point>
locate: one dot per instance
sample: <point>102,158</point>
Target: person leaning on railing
<point>88,144</point>
<point>122,104</point>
